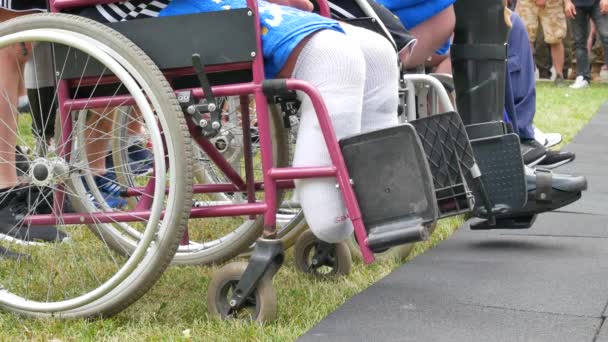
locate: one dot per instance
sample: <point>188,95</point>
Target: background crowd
<point>568,37</point>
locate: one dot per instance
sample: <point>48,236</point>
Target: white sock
<point>335,65</point>
<point>23,102</point>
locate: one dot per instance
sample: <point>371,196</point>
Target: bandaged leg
<point>380,95</point>
<point>335,65</point>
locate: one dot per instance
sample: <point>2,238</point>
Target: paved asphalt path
<point>548,283</point>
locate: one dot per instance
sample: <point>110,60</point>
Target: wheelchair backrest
<point>220,38</point>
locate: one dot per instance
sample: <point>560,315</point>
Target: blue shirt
<point>282,27</point>
<point>414,12</point>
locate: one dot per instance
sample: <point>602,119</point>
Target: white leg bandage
<point>380,98</point>
<point>335,65</point>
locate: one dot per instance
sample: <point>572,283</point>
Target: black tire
<point>340,264</point>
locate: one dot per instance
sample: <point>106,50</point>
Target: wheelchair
<point>109,91</point>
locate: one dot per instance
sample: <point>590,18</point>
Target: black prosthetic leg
<point>479,57</point>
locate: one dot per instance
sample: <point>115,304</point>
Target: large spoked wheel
<point>320,259</point>
<point>260,306</point>
<point>73,270</point>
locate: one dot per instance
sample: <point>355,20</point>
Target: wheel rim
<point>127,74</point>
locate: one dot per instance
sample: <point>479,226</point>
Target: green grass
<point>175,309</point>
<point>565,110</point>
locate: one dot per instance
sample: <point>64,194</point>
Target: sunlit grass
<point>175,309</point>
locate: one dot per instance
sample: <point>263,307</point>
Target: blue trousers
<point>520,95</point>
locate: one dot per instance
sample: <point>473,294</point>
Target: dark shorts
<point>23,5</point>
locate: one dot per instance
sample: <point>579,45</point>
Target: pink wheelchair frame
<point>273,178</point>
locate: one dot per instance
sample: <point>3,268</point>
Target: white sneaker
<point>580,83</point>
<point>547,139</point>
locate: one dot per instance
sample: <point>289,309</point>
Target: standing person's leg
<point>568,51</point>
<point>521,69</point>
<point>557,55</point>
<point>542,55</point>
<point>553,20</point>
<point>601,24</point>
<point>580,32</point>
<point>12,194</point>
<point>12,63</point>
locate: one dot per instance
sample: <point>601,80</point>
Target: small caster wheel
<point>260,306</point>
<point>322,259</point>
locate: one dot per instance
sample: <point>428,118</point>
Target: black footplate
<point>393,185</point>
<point>502,168</point>
<point>450,157</point>
<point>516,222</point>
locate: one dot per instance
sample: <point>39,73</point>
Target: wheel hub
<point>47,172</point>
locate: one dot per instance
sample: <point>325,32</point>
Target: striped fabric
<point>131,9</point>
<point>23,5</point>
<point>121,11</point>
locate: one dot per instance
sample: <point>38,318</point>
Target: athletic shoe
<point>579,83</point>
<point>554,159</point>
<point>547,139</point>
<point>532,152</point>
<point>13,208</point>
<point>141,159</point>
<point>109,190</point>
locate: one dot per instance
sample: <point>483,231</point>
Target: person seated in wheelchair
<point>355,72</point>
